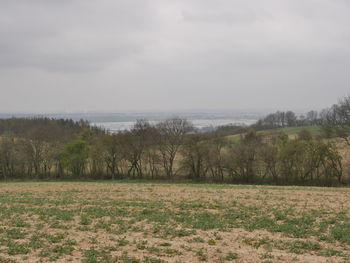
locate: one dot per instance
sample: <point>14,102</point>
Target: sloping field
<point>129,222</point>
<point>290,131</point>
<point>315,130</point>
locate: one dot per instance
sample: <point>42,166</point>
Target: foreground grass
<point>134,222</point>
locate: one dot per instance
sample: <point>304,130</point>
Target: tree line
<point>336,116</point>
<point>173,149</point>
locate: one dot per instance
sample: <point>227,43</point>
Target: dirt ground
<point>135,222</point>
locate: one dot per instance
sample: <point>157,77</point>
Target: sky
<point>125,55</point>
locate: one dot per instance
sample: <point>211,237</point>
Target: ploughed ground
<point>136,222</point>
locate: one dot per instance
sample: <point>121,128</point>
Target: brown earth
<point>211,245</point>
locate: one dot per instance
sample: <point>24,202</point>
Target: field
<point>290,131</point>
<point>134,222</point>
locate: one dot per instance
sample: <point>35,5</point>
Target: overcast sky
<point>114,55</point>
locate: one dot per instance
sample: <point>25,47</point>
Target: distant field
<point>315,130</point>
<point>129,222</point>
<point>291,131</point>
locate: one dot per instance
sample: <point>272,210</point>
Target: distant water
<point>114,122</point>
<point>202,124</point>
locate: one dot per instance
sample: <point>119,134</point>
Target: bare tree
<point>241,160</point>
<point>7,156</point>
<point>134,145</point>
<point>171,134</point>
<point>214,158</point>
<point>336,120</point>
<point>343,112</point>
<point>194,153</point>
<point>312,117</point>
<point>291,118</point>
<point>268,154</point>
<point>111,153</point>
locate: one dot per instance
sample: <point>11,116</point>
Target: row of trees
<point>63,149</point>
<point>88,151</point>
<point>32,148</point>
<point>304,160</point>
<point>337,120</point>
<point>282,119</point>
<point>169,150</point>
<point>336,116</point>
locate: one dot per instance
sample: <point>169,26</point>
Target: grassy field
<point>290,131</point>
<point>133,222</point>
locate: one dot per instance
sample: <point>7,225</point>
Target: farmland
<point>135,222</point>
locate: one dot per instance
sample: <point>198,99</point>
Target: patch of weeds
<point>183,232</point>
<point>58,225</point>
<point>325,238</point>
<point>171,252</point>
<point>46,252</point>
<point>102,224</point>
<point>137,229</point>
<point>35,241</point>
<point>267,255</point>
<point>341,232</point>
<point>173,232</point>
<point>85,220</point>
<point>186,248</point>
<point>63,249</point>
<point>83,228</point>
<point>256,243</point>
<point>231,256</point>
<point>18,222</point>
<point>261,222</point>
<point>93,240</point>
<point>212,242</point>
<point>15,233</point>
<point>298,246</point>
<point>196,240</point>
<point>95,256</point>
<point>39,226</point>
<point>330,252</point>
<point>154,250</point>
<point>55,238</point>
<point>57,213</point>
<point>202,254</point>
<point>165,244</point>
<point>280,215</point>
<point>153,260</point>
<point>70,242</point>
<point>122,242</point>
<point>301,227</point>
<point>125,258</point>
<point>205,221</point>
<point>142,244</point>
<point>15,248</point>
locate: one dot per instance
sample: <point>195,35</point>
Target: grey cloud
<point>115,54</point>
<point>70,36</point>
